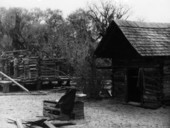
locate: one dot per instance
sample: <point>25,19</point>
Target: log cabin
<point>140,54</point>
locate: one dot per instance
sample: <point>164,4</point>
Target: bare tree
<point>102,14</point>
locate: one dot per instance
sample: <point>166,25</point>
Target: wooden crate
<point>78,110</point>
<point>50,110</point>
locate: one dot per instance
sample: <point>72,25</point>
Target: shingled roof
<point>148,39</point>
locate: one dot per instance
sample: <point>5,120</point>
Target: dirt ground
<point>98,114</point>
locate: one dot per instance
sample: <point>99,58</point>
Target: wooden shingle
<point>148,39</point>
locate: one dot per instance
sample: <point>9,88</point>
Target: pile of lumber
<point>17,122</point>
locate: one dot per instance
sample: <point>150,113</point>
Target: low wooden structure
<point>140,54</point>
<point>33,70</point>
<point>50,110</point>
<point>69,106</point>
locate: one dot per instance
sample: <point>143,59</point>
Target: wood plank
<point>51,116</point>
<point>19,123</point>
<point>59,123</point>
<point>147,96</point>
<point>152,87</point>
<point>152,91</point>
<point>49,124</point>
<point>151,105</point>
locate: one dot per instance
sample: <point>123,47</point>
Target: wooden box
<point>50,110</point>
<point>78,110</point>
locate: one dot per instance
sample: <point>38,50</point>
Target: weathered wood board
<point>50,110</point>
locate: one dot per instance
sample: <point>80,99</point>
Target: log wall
<point>152,87</point>
<point>166,82</point>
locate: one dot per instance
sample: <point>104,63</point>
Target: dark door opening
<point>132,86</point>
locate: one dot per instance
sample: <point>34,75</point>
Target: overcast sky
<point>149,10</point>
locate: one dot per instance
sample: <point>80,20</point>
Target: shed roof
<point>148,39</point>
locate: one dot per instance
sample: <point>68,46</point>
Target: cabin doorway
<point>133,90</point>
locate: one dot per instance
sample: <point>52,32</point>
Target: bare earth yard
<point>98,114</point>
